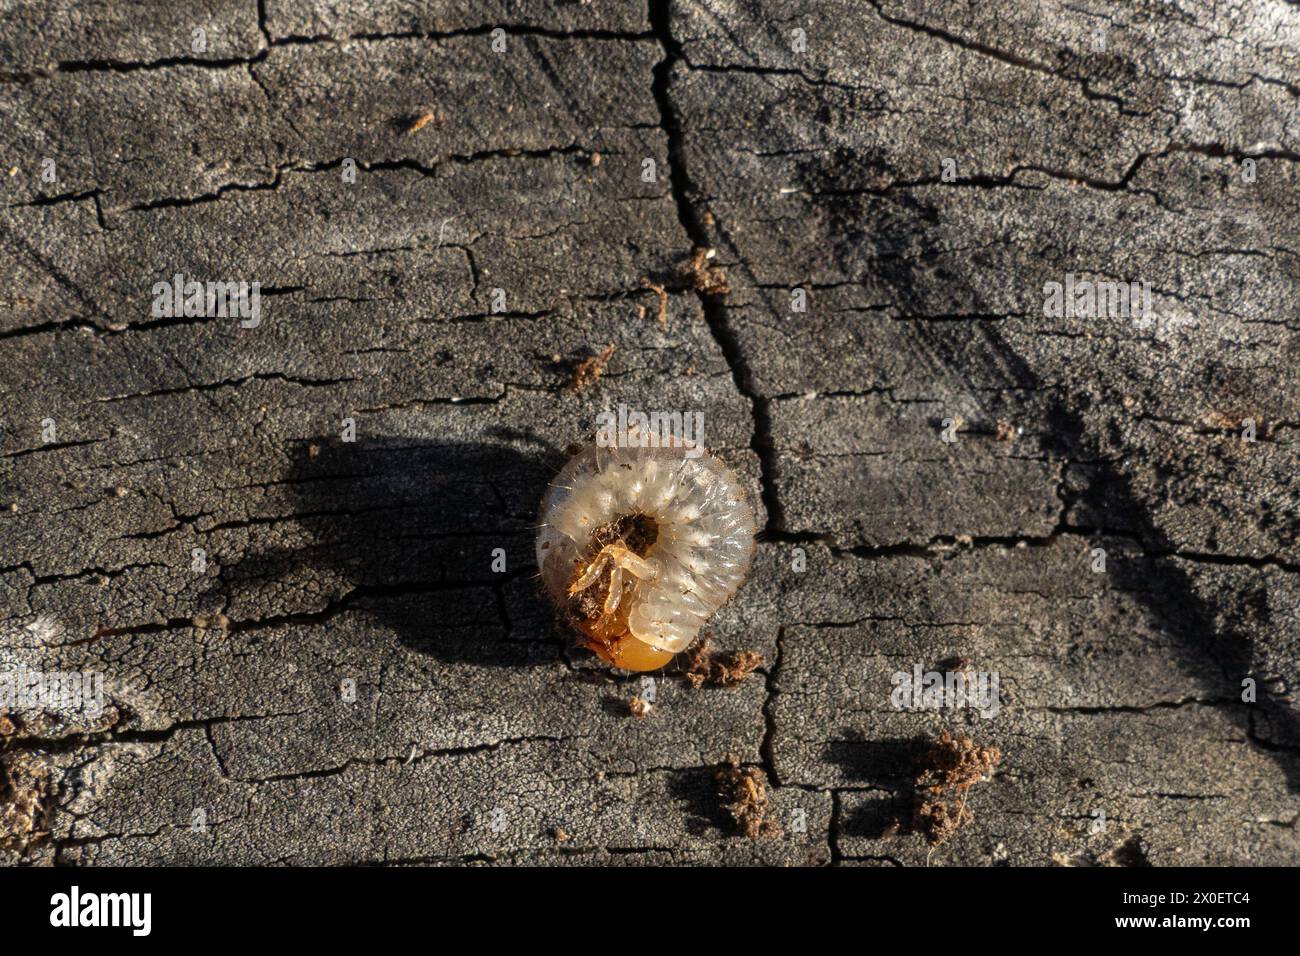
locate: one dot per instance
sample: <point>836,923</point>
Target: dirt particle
<point>744,795</point>
<point>700,274</point>
<point>719,668</point>
<point>639,708</point>
<point>1006,431</point>
<point>663,300</point>
<point>591,369</point>
<point>946,769</point>
<point>422,119</point>
<point>595,159</point>
<point>561,835</point>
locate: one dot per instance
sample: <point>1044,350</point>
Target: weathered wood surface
<point>1109,141</point>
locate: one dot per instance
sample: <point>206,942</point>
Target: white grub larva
<point>640,546</point>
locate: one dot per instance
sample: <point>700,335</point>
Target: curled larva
<point>640,546</point>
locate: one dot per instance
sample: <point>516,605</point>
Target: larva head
<point>639,546</point>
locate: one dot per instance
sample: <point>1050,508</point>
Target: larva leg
<point>592,574</point>
<point>631,562</point>
<point>622,558</point>
<point>615,590</point>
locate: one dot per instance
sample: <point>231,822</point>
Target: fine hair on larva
<point>639,546</point>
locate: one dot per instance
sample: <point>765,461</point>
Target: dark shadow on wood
<point>888,238</point>
<point>697,790</point>
<point>888,765</point>
<point>406,530</point>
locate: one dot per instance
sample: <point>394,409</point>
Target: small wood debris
<point>423,119</point>
<point>946,769</point>
<point>699,274</point>
<point>591,369</point>
<point>720,668</point>
<point>663,300</point>
<point>744,795</point>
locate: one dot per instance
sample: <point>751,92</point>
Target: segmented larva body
<point>640,546</point>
